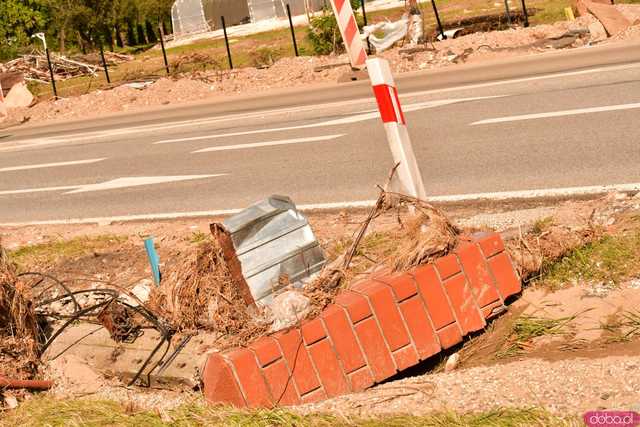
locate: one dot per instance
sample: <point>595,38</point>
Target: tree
<point>19,19</point>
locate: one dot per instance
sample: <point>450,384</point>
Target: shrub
<point>324,34</point>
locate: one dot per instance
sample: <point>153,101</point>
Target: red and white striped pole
<point>350,33</point>
<point>407,179</point>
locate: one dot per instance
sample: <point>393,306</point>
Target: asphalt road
<point>552,121</point>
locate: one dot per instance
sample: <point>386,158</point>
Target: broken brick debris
<point>378,327</point>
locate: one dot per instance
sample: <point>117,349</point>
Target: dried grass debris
<point>18,325</point>
<point>199,293</point>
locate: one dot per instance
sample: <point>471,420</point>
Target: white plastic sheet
<point>393,32</point>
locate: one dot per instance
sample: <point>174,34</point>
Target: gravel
<point>567,387</point>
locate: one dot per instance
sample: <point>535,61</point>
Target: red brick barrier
<point>379,327</point>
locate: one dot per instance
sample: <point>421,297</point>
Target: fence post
<point>435,11</point>
<point>104,63</point>
<point>366,22</point>
<point>226,42</point>
<point>164,52</point>
<point>506,6</point>
<point>526,14</point>
<point>53,79</point>
<point>293,32</point>
<point>408,180</point>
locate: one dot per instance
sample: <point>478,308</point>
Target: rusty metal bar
<point>28,384</point>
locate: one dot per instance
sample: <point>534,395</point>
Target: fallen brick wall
<point>380,326</point>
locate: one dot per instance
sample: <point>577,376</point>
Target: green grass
<point>526,328</point>
<point>611,259</point>
<point>541,225</point>
<point>43,411</point>
<point>198,237</point>
<point>623,327</point>
<point>48,253</point>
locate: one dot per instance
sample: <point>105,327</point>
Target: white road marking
<point>497,196</point>
<point>270,143</point>
<point>51,165</point>
<point>528,79</point>
<point>112,185</point>
<point>558,114</point>
<point>37,142</point>
<point>336,122</point>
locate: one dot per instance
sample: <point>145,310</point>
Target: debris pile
<point>35,67</point>
<point>200,293</point>
<point>18,325</point>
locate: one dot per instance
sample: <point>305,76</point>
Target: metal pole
<point>364,12</point>
<point>104,63</point>
<point>364,16</point>
<point>506,6</point>
<point>435,11</point>
<point>226,42</point>
<point>53,80</point>
<point>164,52</point>
<point>293,33</point>
<point>526,15</point>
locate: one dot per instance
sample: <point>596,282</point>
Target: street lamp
<point>43,39</point>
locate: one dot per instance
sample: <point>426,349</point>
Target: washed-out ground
<point>569,344</point>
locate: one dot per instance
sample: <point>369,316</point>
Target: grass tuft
<point>526,328</point>
<point>611,259</point>
<point>623,327</point>
<point>51,252</point>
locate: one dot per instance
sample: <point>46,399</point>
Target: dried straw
<point>18,325</point>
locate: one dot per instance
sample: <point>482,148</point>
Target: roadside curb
<point>378,327</point>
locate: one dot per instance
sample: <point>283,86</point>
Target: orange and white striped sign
<point>350,33</point>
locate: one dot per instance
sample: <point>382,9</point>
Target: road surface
<point>561,120</point>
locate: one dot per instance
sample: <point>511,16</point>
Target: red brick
<point>314,396</point>
<point>422,333</point>
<point>386,311</point>
<point>405,357</point>
<point>326,362</point>
<point>477,271</point>
<point>220,386</point>
<point>361,379</point>
<point>313,331</point>
<point>403,285</point>
<point>465,306</point>
<point>448,266</point>
<point>356,305</point>
<point>375,349</point>
<point>343,337</point>
<point>491,244</point>
<point>252,382</point>
<point>281,384</point>
<point>298,360</point>
<point>267,350</point>
<point>506,278</point>
<point>434,296</point>
<point>449,336</point>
